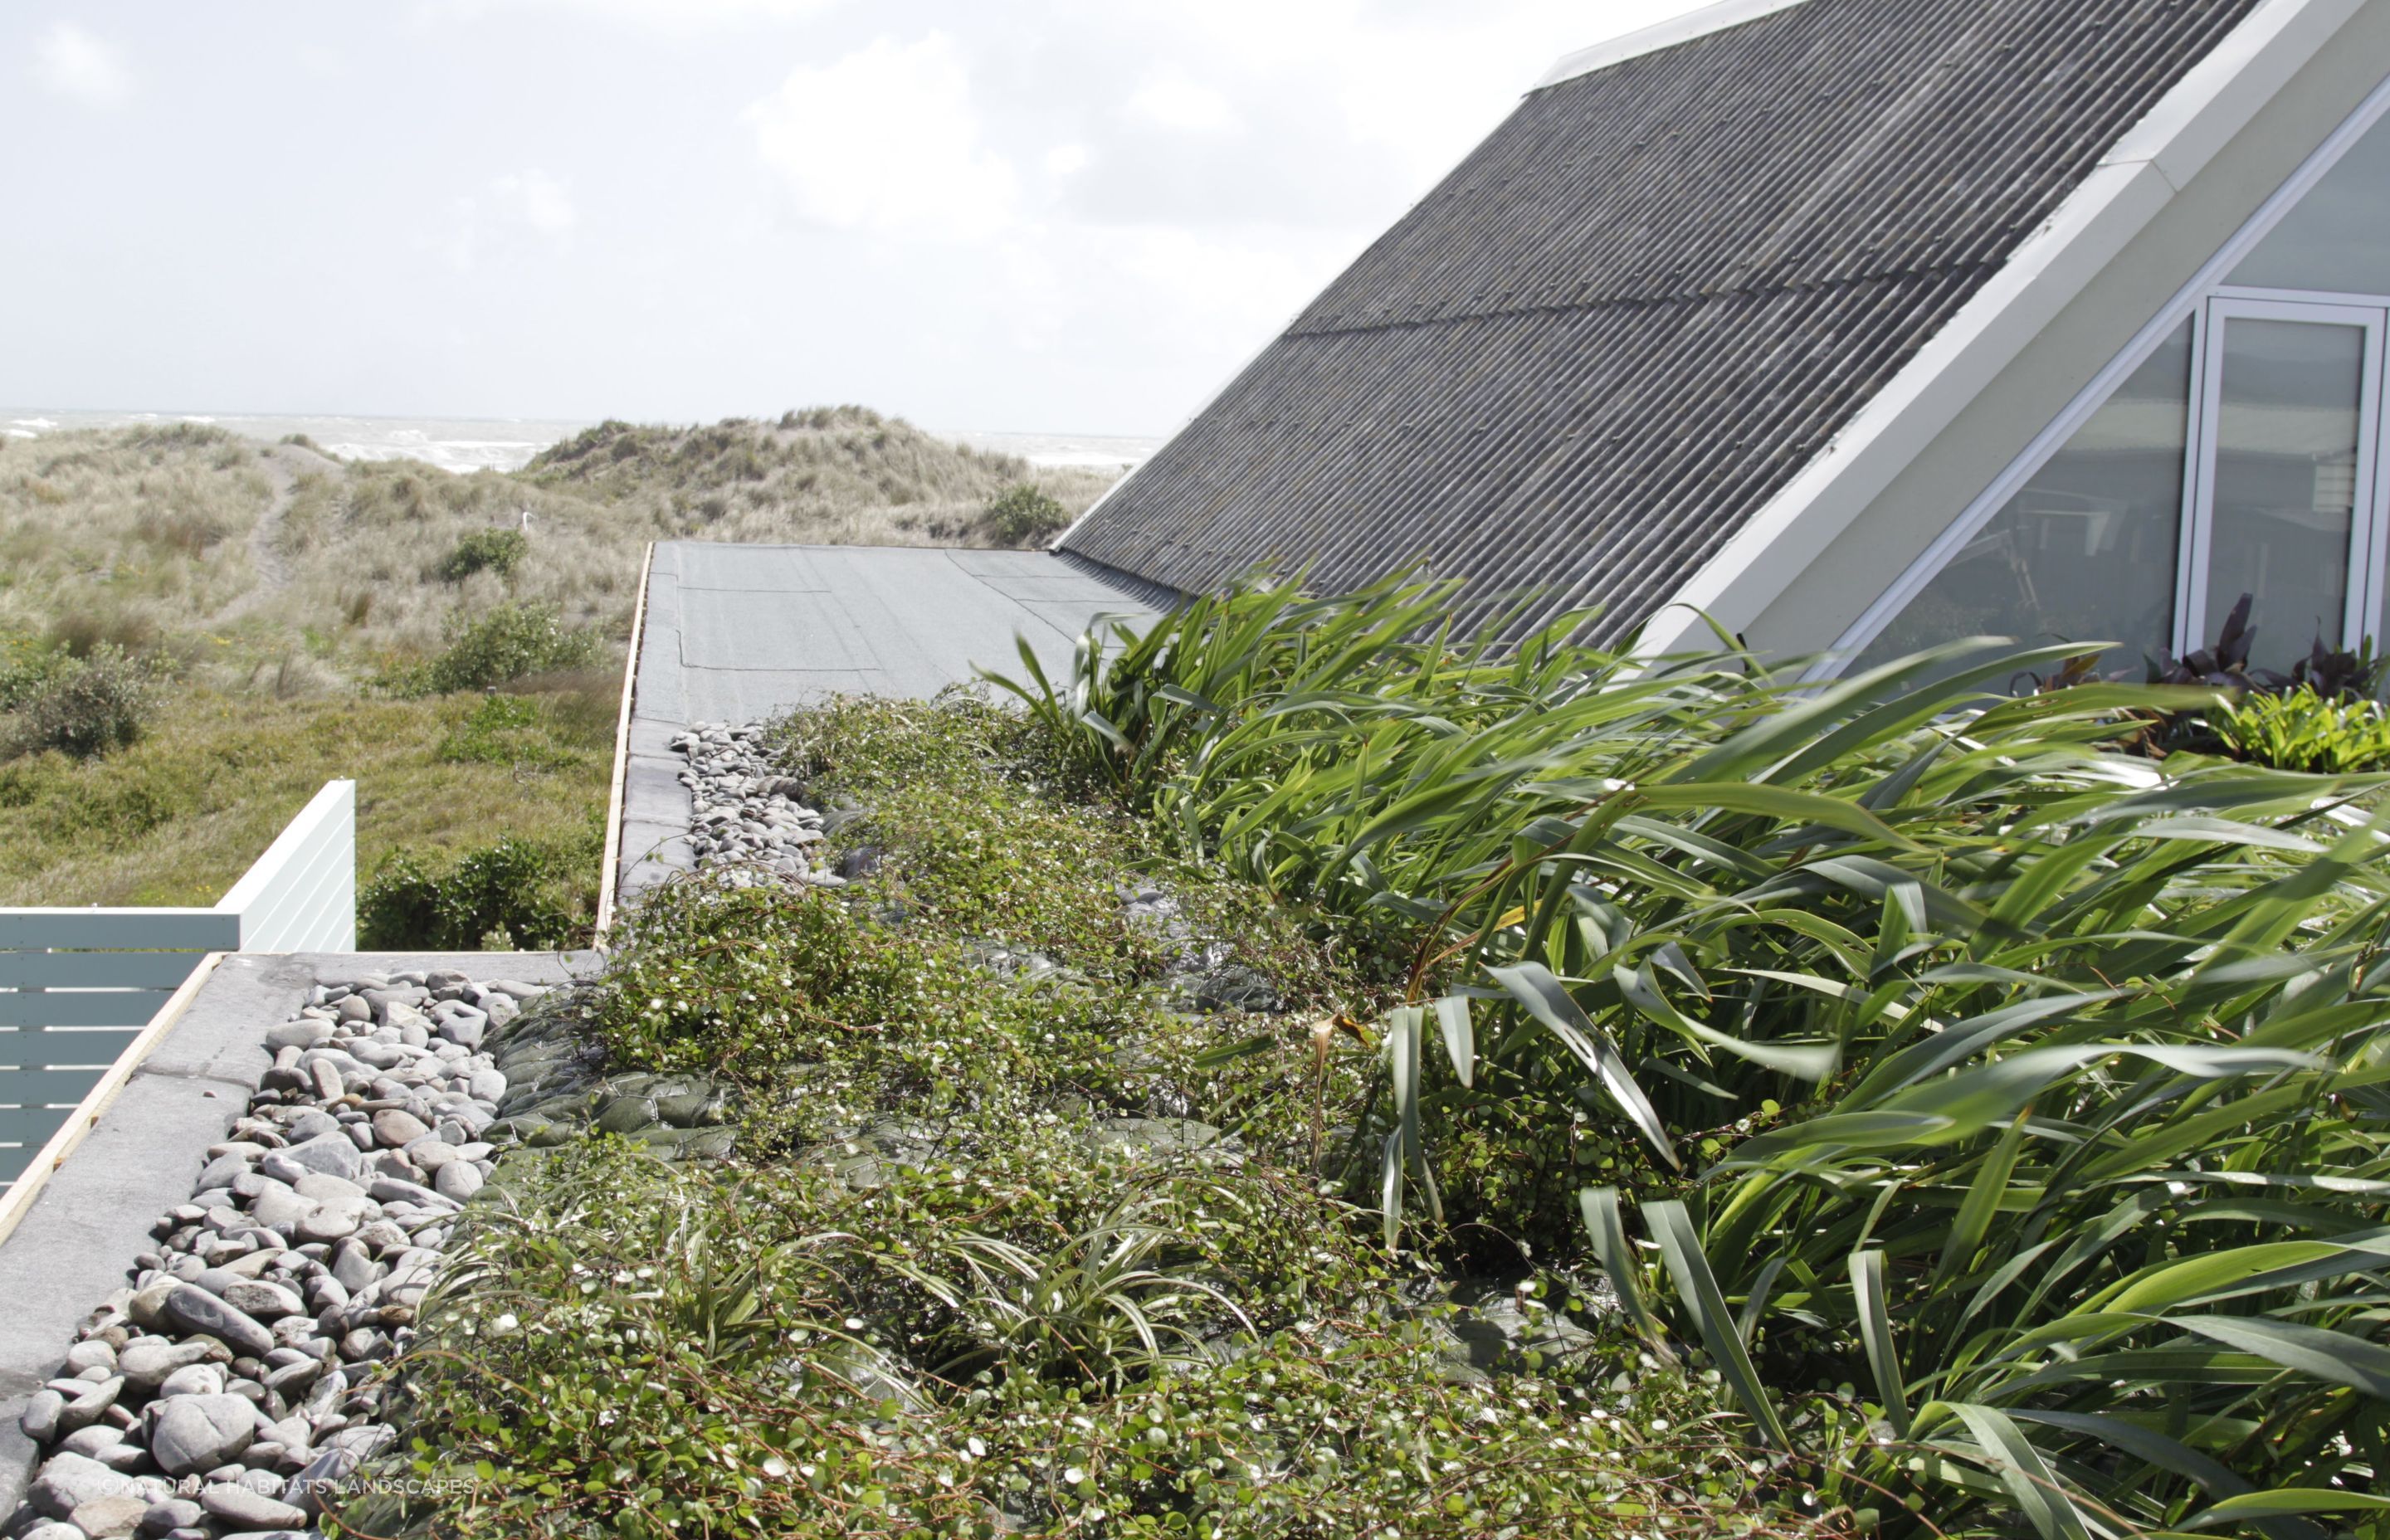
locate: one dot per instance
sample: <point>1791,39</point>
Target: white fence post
<point>78,985</point>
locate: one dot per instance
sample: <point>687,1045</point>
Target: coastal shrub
<point>86,706</point>
<point>1023,515</point>
<point>1941,1051</point>
<point>508,643</point>
<point>514,894</point>
<point>496,551</point>
<point>508,730</point>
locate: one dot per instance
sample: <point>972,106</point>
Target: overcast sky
<point>1065,215</point>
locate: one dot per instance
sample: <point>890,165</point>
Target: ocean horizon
<point>509,443</point>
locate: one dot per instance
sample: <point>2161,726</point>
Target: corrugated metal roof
<point>1639,308</point>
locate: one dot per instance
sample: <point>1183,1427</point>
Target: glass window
<point>2086,551</point>
<point>2338,237</point>
<point>2285,479</point>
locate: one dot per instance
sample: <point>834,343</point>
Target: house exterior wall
<point>1895,526</point>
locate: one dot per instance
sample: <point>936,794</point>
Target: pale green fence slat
<point>62,1048</point>
<point>189,929</point>
<point>82,1007</point>
<point>49,1087</point>
<point>96,970</point>
<point>29,1127</point>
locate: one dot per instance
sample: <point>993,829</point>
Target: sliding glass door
<point>2284,505</point>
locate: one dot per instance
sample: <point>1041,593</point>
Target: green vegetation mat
<point>1305,1076</point>
<point>1022,1235</point>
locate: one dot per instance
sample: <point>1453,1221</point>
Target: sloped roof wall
<point>1631,316</point>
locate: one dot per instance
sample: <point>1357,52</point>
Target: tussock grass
<point>241,555</point>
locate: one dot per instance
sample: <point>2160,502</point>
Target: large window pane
<point>2286,442</point>
<point>2086,551</point>
<point>2338,237</point>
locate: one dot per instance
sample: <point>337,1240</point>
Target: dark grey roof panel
<point>1632,314</point>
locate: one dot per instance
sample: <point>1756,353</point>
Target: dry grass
<point>274,568</point>
<point>276,583</point>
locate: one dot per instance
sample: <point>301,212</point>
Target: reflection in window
<point>2086,551</point>
<point>2286,448</point>
<point>2338,237</point>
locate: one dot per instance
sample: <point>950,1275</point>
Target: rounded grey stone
<point>458,1179</point>
<point>194,1433</point>
<point>261,1301</point>
<point>52,1530</point>
<point>331,1152</point>
<point>146,1361</point>
<point>250,1510</point>
<point>39,1420</point>
<point>196,1310</point>
<point>195,1380</point>
<point>66,1481</point>
<point>173,1513</point>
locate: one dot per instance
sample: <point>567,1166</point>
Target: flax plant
<point>2039,1088</point>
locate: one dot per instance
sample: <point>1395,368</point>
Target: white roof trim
<point>2137,179</point>
<point>1661,35</point>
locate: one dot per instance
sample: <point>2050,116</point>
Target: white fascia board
<point>2133,184</point>
<point>1661,35</point>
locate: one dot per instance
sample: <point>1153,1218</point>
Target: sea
<point>509,443</point>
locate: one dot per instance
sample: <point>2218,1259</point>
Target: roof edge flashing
<point>1709,19</point>
<point>2222,93</point>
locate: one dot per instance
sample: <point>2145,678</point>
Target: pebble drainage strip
<point>234,1384</point>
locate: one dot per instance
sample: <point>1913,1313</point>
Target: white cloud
<point>887,140</point>
<point>686,13</point>
<point>76,64</point>
<point>1173,101</point>
<point>680,15</point>
<point>537,200</point>
<point>519,201</point>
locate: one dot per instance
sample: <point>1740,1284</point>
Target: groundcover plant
<point>1038,1222</point>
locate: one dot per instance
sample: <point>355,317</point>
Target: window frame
<point>2367,538</point>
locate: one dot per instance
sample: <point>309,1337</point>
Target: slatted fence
<point>78,985</point>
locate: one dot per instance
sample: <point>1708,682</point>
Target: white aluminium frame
<point>2365,545</point>
<point>2188,304</point>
